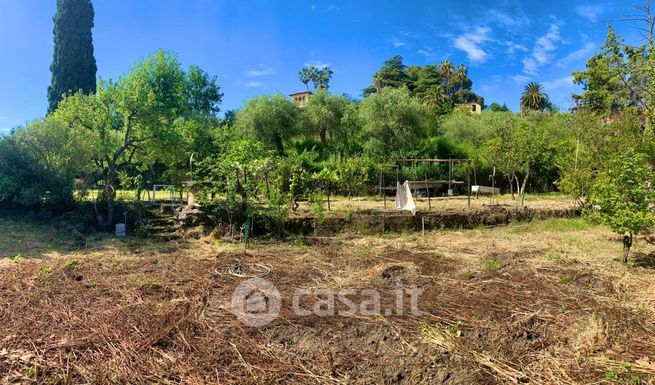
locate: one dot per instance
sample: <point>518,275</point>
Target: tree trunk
<point>627,244</point>
<point>323,137</point>
<point>110,195</point>
<point>525,182</point>
<point>279,146</point>
<point>511,186</point>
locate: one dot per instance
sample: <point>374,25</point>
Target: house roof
<point>301,93</point>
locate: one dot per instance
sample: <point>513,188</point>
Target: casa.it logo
<point>256,302</point>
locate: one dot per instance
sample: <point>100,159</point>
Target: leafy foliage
<point>73,65</point>
<point>439,87</point>
<point>393,123</point>
<point>534,97</point>
<point>623,196</point>
<point>134,120</point>
<point>39,163</point>
<point>271,119</point>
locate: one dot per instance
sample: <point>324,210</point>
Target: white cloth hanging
<point>404,199</point>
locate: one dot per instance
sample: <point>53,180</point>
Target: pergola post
<point>468,183</point>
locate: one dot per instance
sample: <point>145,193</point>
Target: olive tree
<point>126,118</point>
<point>271,119</point>
<point>393,123</point>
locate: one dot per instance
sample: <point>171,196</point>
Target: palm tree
<point>446,69</point>
<point>304,77</point>
<point>322,79</point>
<point>378,83</point>
<point>434,97</point>
<point>307,74</point>
<point>461,74</point>
<point>534,97</point>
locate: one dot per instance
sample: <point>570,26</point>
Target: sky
<point>257,47</point>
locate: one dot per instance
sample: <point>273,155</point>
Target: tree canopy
<point>73,64</point>
<point>439,87</point>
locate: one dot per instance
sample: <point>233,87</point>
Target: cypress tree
<point>73,64</point>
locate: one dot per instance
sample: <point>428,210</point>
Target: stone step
<point>158,229</point>
<point>170,221</point>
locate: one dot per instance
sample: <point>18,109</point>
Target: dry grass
<point>457,203</point>
<point>557,307</point>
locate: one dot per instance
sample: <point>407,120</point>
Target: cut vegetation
<point>542,303</point>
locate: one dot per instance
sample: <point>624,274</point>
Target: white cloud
<point>542,51</point>
<point>502,18</point>
<point>514,47</point>
<point>470,43</point>
<point>427,52</point>
<point>590,12</point>
<point>397,43</point>
<point>327,8</point>
<point>317,63</point>
<point>254,84</point>
<point>520,79</point>
<point>582,53</point>
<point>530,65</point>
<point>566,81</point>
<point>261,71</point>
<point>3,117</point>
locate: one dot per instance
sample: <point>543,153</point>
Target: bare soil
<point>540,303</point>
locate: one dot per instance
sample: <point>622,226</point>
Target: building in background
<point>300,99</point>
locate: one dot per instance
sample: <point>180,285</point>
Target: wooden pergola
<point>428,184</point>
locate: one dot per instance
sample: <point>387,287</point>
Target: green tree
<point>307,74</point>
<point>238,171</point>
<point>393,74</point>
<point>393,123</point>
<point>272,119</point>
<point>125,118</point>
<point>622,197</point>
<point>352,175</point>
<point>39,163</point>
<point>426,79</point>
<point>514,148</point>
<point>73,65</point>
<point>620,76</point>
<point>592,141</point>
<point>324,114</point>
<point>435,97</point>
<point>322,79</point>
<point>447,70</point>
<point>461,75</point>
<point>203,92</point>
<point>605,79</point>
<point>495,107</point>
<point>534,97</point>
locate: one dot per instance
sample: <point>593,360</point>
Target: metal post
<point>468,182</point>
<point>427,190</point>
<point>384,195</point>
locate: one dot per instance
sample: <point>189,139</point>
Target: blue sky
<point>257,47</point>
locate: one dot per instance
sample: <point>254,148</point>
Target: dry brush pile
<point>165,318</point>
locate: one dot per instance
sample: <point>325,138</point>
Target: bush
<point>38,165</point>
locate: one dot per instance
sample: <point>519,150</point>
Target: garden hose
<point>244,270</point>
